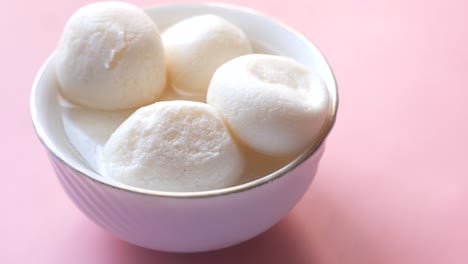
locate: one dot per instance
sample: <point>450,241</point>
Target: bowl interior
<point>262,30</point>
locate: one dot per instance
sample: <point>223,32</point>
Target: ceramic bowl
<point>189,221</point>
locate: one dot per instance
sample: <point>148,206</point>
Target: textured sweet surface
<point>197,46</point>
<point>174,146</point>
<point>110,56</point>
<point>273,104</point>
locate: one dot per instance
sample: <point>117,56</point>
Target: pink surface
<point>392,186</point>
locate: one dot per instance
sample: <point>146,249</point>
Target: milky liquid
<point>88,130</point>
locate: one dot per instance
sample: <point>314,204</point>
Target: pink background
<point>392,186</point>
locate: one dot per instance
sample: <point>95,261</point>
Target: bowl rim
<point>40,132</point>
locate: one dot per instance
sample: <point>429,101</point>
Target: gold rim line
<point>328,126</point>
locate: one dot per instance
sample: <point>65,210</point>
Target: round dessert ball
<point>174,146</point>
<point>196,47</point>
<point>273,104</point>
<point>110,57</point>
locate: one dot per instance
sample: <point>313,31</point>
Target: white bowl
<point>190,221</point>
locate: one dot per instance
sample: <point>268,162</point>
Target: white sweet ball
<point>197,46</point>
<point>273,104</point>
<point>110,57</point>
<point>174,146</point>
